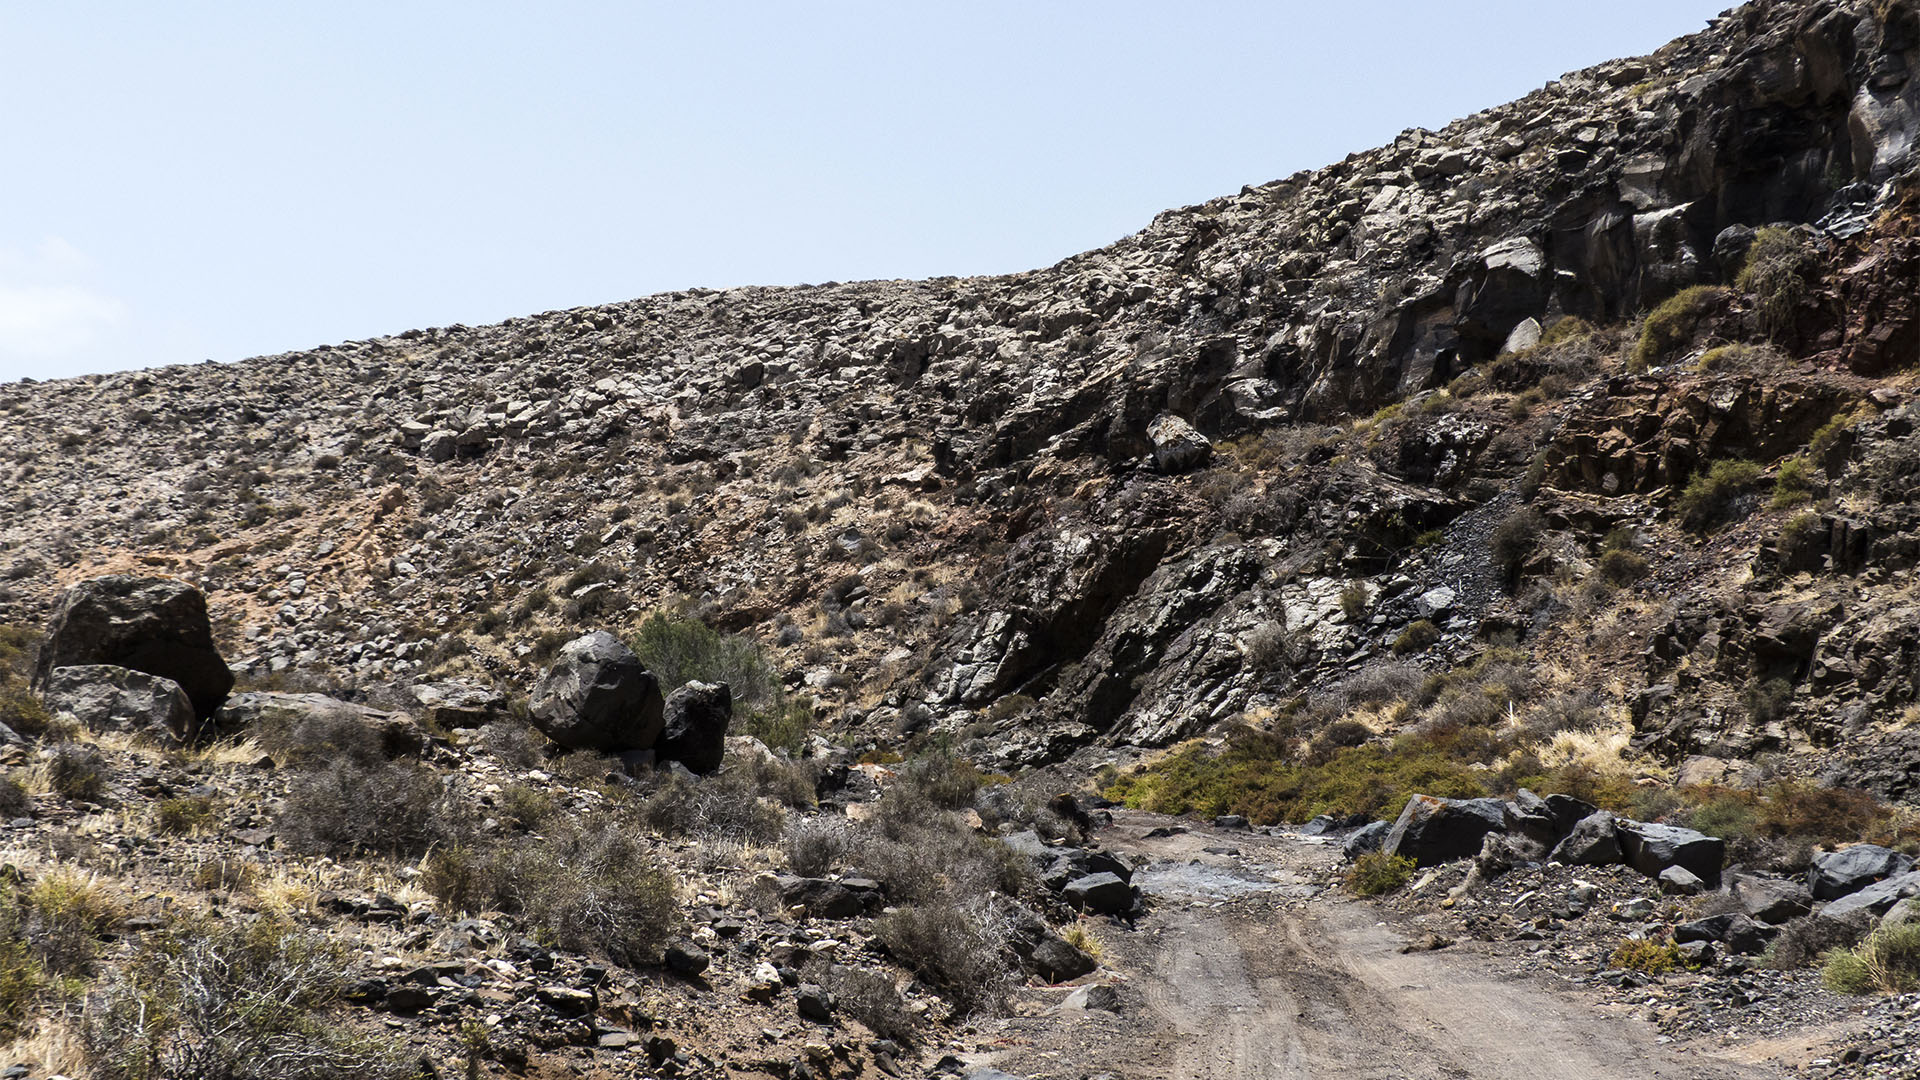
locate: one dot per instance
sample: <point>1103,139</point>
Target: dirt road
<point>1248,967</point>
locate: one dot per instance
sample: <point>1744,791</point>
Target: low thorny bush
<point>1807,940</point>
<point>353,807</point>
<point>231,1001</point>
<point>77,772</point>
<point>871,998</point>
<point>817,846</point>
<point>586,886</point>
<point>959,946</point>
<point>713,809</point>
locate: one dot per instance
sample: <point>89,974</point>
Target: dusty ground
<point>1250,966</point>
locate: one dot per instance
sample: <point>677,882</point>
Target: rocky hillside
<point>1571,446</point>
<point>932,496</point>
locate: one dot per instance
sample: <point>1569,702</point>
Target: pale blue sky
<point>189,181</point>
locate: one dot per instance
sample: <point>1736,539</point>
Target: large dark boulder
<point>1057,961</point>
<point>823,898</point>
<point>1594,841</point>
<point>695,731</point>
<point>1432,830</point>
<point>1737,932</point>
<point>1651,848</point>
<point>1542,821</point>
<point>1842,873</point>
<point>1102,894</point>
<point>107,698</point>
<point>1875,899</point>
<point>1366,839</point>
<point>155,625</point>
<point>597,696</point>
<point>1771,900</point>
<point>1568,811</point>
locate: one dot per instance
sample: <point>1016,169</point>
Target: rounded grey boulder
<point>597,696</point>
<point>107,698</point>
<point>155,625</point>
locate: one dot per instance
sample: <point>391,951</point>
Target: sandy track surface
<point>1248,967</point>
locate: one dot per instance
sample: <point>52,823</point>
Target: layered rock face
<point>1117,501</point>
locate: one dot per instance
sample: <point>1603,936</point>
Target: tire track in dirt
<point>1244,970</point>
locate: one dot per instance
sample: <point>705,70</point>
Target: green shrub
<point>1721,357</point>
<point>784,726</point>
<point>789,782</point>
<point>1354,601</point>
<point>1419,634</point>
<point>21,985</point>
<point>1828,434</point>
<point>1253,780</point>
<point>1674,323</point>
<point>22,979</point>
<point>1767,701</point>
<point>1378,873</point>
<point>14,800</point>
<point>1008,707</point>
<point>1778,273</point>
<point>1566,329</point>
<point>679,650</point>
<point>1798,535</point>
<point>1622,568</point>
<point>1727,816</point>
<point>1646,956</point>
<point>524,806</point>
<point>18,648</point>
<point>939,778</point>
<point>21,710</point>
<point>1709,495</point>
<point>1535,476</point>
<point>68,911</point>
<point>1793,484</point>
<point>183,816</point>
<point>231,1000</point>
<point>1515,540</point>
<point>1887,962</point>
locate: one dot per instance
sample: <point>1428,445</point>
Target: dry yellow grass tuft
<point>1604,749</point>
<point>1081,937</point>
<point>289,892</point>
